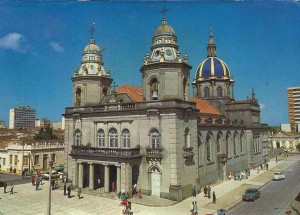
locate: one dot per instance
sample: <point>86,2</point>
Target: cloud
<point>56,47</point>
<point>14,41</point>
<point>262,106</point>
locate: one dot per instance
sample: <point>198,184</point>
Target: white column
<point>106,178</point>
<point>118,179</point>
<point>80,175</point>
<point>91,177</point>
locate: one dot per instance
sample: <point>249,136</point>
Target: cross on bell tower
<point>92,31</point>
<point>164,9</point>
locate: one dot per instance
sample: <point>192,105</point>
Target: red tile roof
<point>135,93</point>
<point>205,107</point>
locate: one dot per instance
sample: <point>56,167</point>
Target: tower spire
<point>164,10</point>
<point>211,47</point>
<point>92,34</point>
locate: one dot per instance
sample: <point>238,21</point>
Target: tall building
<point>294,107</point>
<point>20,117</point>
<point>157,136</point>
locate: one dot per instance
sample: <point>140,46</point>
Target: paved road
<point>276,196</point>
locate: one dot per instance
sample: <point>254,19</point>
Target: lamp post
<point>22,159</point>
<point>50,180</point>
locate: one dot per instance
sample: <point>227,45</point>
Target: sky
<point>41,42</point>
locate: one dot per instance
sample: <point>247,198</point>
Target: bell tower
<point>165,74</point>
<point>91,81</point>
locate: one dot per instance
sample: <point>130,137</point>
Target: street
<point>276,196</point>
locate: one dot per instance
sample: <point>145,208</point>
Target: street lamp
<point>49,196</point>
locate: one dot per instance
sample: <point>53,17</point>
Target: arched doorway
<point>155,176</point>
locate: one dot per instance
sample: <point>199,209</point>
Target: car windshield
<point>250,191</point>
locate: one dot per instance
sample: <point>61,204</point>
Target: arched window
<point>227,145</point>
<point>154,89</point>
<point>113,138</point>
<point>126,138</point>
<point>101,138</point>
<point>154,138</point>
<point>208,149</point>
<point>219,142</point>
<point>77,137</point>
<point>234,144</point>
<point>206,93</point>
<point>220,92</point>
<point>187,138</point>
<point>104,91</point>
<point>78,97</point>
<point>242,142</point>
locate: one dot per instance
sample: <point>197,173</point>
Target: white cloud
<point>14,41</point>
<point>262,106</point>
<point>56,47</point>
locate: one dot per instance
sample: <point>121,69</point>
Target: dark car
<point>251,194</point>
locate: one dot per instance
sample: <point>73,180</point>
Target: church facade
<point>157,136</point>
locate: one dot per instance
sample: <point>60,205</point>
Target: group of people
<point>239,175</point>
<point>67,191</point>
<point>194,208</point>
<point>207,192</point>
<point>125,203</point>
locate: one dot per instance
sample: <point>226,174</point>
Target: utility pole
<point>50,180</point>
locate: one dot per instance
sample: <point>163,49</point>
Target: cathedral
<point>158,136</point>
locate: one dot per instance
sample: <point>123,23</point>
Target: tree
<point>45,133</point>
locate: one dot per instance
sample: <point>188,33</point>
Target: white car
<point>55,174</point>
<point>278,175</point>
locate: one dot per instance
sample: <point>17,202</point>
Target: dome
<point>212,67</point>
<point>164,29</point>
<point>92,48</point>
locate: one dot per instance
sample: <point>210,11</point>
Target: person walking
<point>194,191</point>
<point>192,209</point>
<point>195,208</point>
<point>65,189</point>
<point>11,189</point>
<point>5,186</point>
<point>69,191</point>
<point>267,166</point>
<point>208,191</point>
<point>214,197</point>
<point>37,185</point>
<point>32,180</point>
<point>79,193</point>
<point>205,191</point>
<point>258,169</point>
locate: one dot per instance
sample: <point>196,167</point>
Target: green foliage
<point>274,129</point>
<point>45,133</point>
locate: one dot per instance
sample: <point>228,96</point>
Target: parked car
<point>55,174</point>
<point>251,194</point>
<point>278,175</point>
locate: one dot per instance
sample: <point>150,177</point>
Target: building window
<point>208,149</point>
<point>4,161</point>
<point>187,138</point>
<point>78,97</point>
<point>227,146</point>
<point>77,138</point>
<point>25,160</point>
<point>126,138</point>
<point>113,138</point>
<point>154,137</point>
<point>242,142</point>
<point>101,138</point>
<point>53,158</point>
<point>154,89</point>
<point>219,141</point>
<point>234,145</point>
<point>104,91</point>
<point>36,159</point>
<point>206,93</point>
<point>16,159</point>
<point>220,92</point>
<point>10,159</point>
